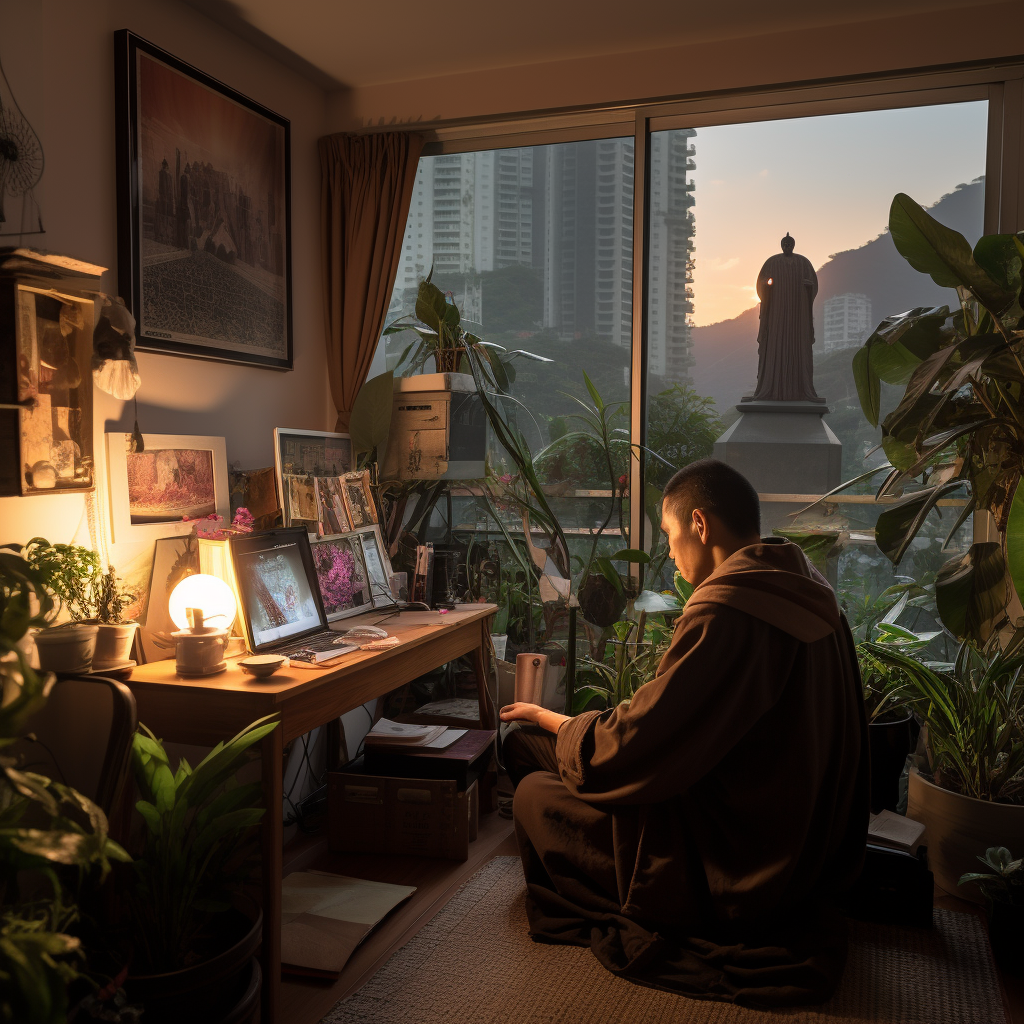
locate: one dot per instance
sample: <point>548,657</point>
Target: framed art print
<point>300,458</point>
<point>176,476</point>
<point>358,500</point>
<point>341,573</point>
<point>378,566</point>
<point>204,212</point>
<point>330,500</point>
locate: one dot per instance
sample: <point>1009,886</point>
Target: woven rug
<point>475,964</point>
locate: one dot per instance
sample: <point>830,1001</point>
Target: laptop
<point>281,609</point>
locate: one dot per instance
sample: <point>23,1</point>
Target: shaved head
<point>718,489</point>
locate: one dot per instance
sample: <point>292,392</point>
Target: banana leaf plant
<point>437,322</point>
<point>960,422</point>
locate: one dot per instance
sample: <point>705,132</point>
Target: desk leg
<point>273,841</point>
<point>480,668</point>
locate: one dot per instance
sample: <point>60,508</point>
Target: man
<point>692,837</point>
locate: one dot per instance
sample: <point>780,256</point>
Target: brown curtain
<point>365,193</point>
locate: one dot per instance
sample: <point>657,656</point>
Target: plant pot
<point>959,828</point>
<point>1006,933</point>
<point>67,648</point>
<point>210,991</point>
<point>890,744</point>
<point>113,644</point>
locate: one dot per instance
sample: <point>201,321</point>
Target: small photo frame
<point>358,500</point>
<point>175,477</point>
<point>341,573</point>
<point>174,558</point>
<point>330,502</point>
<point>378,566</point>
<point>307,454</point>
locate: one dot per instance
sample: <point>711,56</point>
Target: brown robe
<point>693,837</point>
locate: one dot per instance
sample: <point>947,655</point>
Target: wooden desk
<point>206,711</point>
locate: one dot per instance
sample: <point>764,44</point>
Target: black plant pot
<point>890,744</point>
<point>1006,932</point>
<point>222,990</point>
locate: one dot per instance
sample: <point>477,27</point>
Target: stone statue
<point>786,287</point>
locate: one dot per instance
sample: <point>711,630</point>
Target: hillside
<point>726,352</point>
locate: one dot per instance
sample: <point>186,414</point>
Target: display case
<point>46,327</point>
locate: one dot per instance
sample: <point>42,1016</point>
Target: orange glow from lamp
<point>203,608</point>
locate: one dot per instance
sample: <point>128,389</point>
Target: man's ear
<point>701,525</point>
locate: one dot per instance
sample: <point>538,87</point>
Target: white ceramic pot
<point>113,644</point>
<point>67,648</point>
<point>959,828</point>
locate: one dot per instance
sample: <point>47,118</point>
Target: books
<point>400,735</point>
<point>894,831</point>
<point>324,917</point>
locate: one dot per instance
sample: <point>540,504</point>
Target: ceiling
<point>356,44</point>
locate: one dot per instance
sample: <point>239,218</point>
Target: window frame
<point>1000,82</point>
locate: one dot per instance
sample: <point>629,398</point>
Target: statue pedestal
<point>783,448</point>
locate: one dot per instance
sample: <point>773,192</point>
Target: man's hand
<point>522,712</point>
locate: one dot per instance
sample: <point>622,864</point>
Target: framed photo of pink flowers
<point>175,478</point>
<point>341,572</point>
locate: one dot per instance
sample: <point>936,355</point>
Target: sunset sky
<point>828,181</point>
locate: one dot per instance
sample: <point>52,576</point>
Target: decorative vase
<point>113,644</point>
<point>959,828</point>
<point>67,648</point>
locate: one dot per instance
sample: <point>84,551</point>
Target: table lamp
<point>203,608</point>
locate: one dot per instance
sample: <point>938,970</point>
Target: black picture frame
<point>203,223</point>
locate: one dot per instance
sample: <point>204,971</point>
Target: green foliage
<point>46,828</point>
<point>1004,880</point>
<point>974,712</point>
<point>73,575</point>
<point>200,844</point>
<point>370,423</point>
<point>959,421</point>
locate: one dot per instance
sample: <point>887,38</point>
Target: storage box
<point>421,817</point>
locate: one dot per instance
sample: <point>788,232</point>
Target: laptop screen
<point>277,585</point>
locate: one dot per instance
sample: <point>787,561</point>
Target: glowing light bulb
<point>208,593</point>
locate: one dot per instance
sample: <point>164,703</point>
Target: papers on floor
<point>388,735</point>
<point>894,831</point>
<point>324,917</point>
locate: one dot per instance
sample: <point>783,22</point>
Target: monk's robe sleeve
<point>723,671</point>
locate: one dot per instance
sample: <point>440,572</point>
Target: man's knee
<point>525,748</point>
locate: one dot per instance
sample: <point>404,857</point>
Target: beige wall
<point>975,31</point>
<point>58,56</point>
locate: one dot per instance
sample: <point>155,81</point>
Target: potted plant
<point>970,787</point>
<point>94,600</point>
<point>1003,888</point>
<point>193,930</point>
<point>51,837</point>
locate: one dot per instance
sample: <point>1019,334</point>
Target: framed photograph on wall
<point>203,212</point>
<point>300,457</point>
<point>174,477</point>
<point>330,502</point>
<point>378,566</point>
<point>341,572</point>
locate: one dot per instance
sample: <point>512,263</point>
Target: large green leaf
<point>869,389</point>
<point>370,423</point>
<point>1015,540</point>
<point>970,592</point>
<point>942,253</point>
<point>999,257</point>
<point>898,524</point>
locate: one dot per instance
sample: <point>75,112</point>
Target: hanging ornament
<point>21,168</point>
<point>114,367</point>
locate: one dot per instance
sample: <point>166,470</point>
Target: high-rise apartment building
<point>847,321</point>
<point>567,212</point>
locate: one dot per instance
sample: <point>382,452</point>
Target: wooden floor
<point>306,1001</point>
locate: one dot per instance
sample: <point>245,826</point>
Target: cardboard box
<point>420,817</point>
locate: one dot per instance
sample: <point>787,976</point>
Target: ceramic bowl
<point>263,665</point>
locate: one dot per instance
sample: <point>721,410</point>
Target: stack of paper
<point>894,831</point>
<point>324,917</point>
<point>399,735</point>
